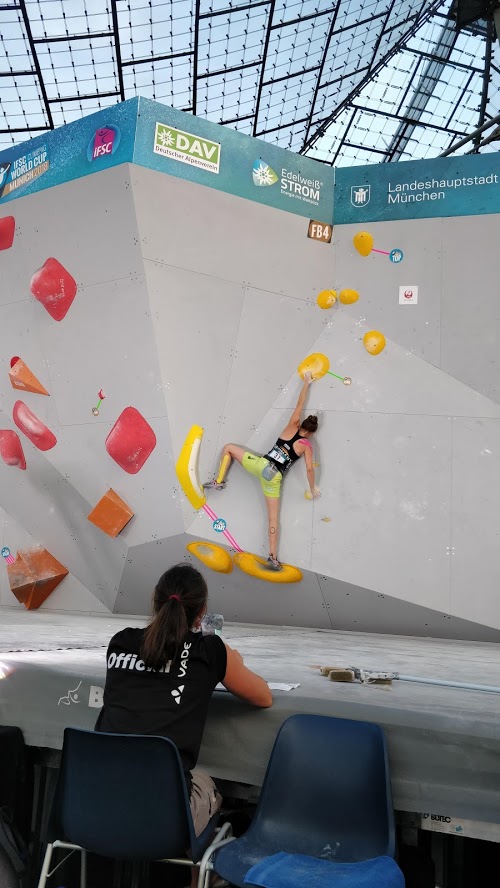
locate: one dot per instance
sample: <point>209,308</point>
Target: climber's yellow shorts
<point>255,465</point>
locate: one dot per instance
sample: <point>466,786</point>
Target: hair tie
<point>176,597</point>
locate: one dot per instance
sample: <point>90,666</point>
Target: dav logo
<point>103,143</point>
<point>187,148</point>
<point>360,195</point>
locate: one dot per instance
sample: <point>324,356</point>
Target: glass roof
<point>355,81</point>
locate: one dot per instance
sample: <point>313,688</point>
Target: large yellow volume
<point>213,556</point>
<point>186,468</point>
<point>259,568</point>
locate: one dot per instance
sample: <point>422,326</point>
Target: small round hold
<point>95,411</point>
<point>347,380</point>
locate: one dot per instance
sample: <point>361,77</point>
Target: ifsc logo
<point>103,143</point>
<point>360,195</point>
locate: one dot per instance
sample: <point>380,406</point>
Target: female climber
<point>271,468</point>
<point>144,693</point>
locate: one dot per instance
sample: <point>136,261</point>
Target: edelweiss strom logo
<point>177,693</point>
<point>263,174</point>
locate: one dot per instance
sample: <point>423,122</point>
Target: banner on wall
<point>78,149</point>
<point>206,153</point>
<point>418,189</point>
<point>23,169</point>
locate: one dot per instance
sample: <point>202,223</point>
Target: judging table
<point>443,743</point>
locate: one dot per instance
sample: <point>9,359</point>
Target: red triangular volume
<point>7,230</point>
<point>11,449</point>
<point>53,286</point>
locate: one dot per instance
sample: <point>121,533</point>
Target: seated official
<point>159,680</point>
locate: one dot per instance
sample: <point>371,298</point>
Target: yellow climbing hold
<point>374,342</point>
<point>186,468</point>
<point>257,567</point>
<point>363,241</point>
<point>326,298</point>
<point>212,556</point>
<point>317,364</point>
<point>347,297</point>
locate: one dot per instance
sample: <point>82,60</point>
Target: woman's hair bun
<point>310,424</point>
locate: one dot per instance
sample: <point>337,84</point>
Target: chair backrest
<point>122,796</point>
<point>327,791</point>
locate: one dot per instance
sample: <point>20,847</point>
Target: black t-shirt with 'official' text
<point>171,702</point>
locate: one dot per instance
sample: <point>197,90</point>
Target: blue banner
<point>418,189</point>
<point>188,147</point>
<point>78,149</point>
<point>178,144</point>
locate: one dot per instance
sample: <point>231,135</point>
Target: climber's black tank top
<point>282,455</point>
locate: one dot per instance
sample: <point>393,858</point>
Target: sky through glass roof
<point>355,81</point>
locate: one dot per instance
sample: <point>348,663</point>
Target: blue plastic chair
<point>326,794</point>
<point>124,796</point>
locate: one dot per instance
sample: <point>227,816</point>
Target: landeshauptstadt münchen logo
<point>419,191</point>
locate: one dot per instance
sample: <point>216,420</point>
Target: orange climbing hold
<point>22,378</point>
<point>111,514</point>
<point>34,575</point>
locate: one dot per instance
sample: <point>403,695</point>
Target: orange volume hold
<point>22,378</point>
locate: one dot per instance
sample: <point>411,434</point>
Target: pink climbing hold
<point>131,441</point>
<point>7,229</point>
<point>33,428</point>
<point>11,449</point>
<point>54,287</point>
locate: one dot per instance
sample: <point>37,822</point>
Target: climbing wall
<point>172,304</point>
<point>397,486</point>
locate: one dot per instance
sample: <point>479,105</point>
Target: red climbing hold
<point>54,287</point>
<point>131,441</point>
<point>7,229</point>
<point>33,428</point>
<point>11,449</point>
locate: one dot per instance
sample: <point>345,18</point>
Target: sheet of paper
<point>274,685</point>
<point>282,686</point>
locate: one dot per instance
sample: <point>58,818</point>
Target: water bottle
<point>212,624</point>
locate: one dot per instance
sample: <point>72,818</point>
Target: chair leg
<point>83,869</point>
<point>205,863</point>
<point>45,867</point>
